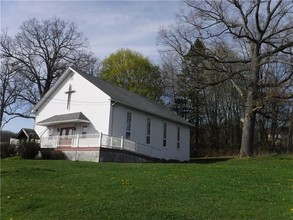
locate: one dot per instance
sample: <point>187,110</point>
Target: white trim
<point>131,119</point>
<point>150,129</point>
<point>25,133</point>
<point>63,122</point>
<point>165,138</point>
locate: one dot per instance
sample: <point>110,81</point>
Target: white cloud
<point>108,25</point>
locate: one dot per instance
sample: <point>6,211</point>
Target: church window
<point>148,131</point>
<point>164,134</point>
<point>178,137</point>
<point>128,124</point>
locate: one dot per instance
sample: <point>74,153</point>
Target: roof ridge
<point>132,99</point>
<point>113,85</point>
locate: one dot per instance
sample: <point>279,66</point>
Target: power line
<point>77,102</point>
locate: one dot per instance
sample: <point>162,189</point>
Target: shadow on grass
<point>199,160</point>
<point>210,160</point>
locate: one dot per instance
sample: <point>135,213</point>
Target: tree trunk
<point>197,122</point>
<point>248,127</point>
<point>250,113</point>
<point>1,117</point>
<point>2,105</point>
<point>290,135</point>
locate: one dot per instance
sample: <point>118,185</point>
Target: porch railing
<point>99,140</point>
<point>79,140</point>
<point>124,144</point>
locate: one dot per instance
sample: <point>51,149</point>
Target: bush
<point>46,154</point>
<point>53,154</point>
<point>28,150</point>
<point>6,135</point>
<point>8,150</point>
<point>58,155</point>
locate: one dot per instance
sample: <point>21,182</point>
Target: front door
<point>66,136</point>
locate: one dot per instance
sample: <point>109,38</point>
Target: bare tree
<point>43,50</point>
<point>258,32</point>
<point>10,88</point>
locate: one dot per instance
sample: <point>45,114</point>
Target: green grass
<point>258,188</point>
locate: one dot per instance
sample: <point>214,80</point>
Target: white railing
<point>79,140</point>
<point>99,140</point>
<point>124,144</point>
<point>86,140</point>
<point>49,142</point>
<point>111,142</point>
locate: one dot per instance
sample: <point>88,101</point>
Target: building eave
<point>78,121</point>
<point>178,121</point>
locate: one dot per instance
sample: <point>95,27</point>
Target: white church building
<point>82,115</point>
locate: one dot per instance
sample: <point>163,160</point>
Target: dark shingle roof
<point>133,100</point>
<point>78,116</point>
<point>27,132</point>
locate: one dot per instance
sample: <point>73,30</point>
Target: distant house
<point>25,135</point>
<point>81,115</point>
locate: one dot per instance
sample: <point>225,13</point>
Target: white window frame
<point>178,137</point>
<point>51,131</point>
<point>165,133</point>
<point>84,131</point>
<point>148,130</point>
<point>128,126</point>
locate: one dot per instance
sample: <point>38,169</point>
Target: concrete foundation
<point>96,155</point>
<point>113,155</point>
<point>82,155</point>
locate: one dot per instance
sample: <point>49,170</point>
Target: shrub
<point>28,150</point>
<point>8,150</point>
<point>58,155</point>
<point>46,154</point>
<point>53,154</point>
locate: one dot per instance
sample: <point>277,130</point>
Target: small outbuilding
<point>27,135</point>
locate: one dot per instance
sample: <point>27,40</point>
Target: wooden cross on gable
<point>69,93</point>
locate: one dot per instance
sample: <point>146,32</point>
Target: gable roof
<point>120,95</point>
<point>133,100</point>
<point>28,133</point>
<point>65,118</point>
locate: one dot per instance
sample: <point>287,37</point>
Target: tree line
<point>235,72</point>
<point>228,74</point>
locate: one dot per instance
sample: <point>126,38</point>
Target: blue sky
<point>108,25</point>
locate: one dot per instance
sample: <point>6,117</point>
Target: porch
<point>91,142</point>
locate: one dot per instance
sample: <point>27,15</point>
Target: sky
<point>108,25</point>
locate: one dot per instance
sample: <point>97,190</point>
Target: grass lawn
<point>257,188</point>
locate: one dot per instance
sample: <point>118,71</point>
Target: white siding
<point>138,131</point>
<point>88,99</point>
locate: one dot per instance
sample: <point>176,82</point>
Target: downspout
<point>113,103</point>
